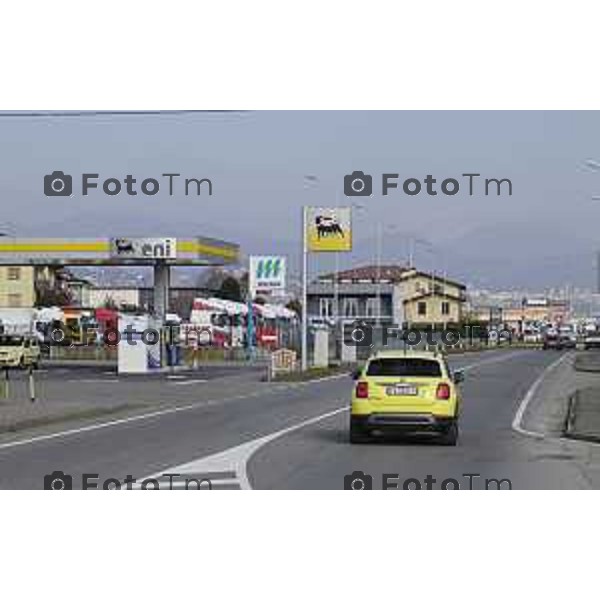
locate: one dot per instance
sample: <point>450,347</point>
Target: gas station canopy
<point>117,251</point>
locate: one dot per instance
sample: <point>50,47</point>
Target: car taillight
<point>362,389</point>
<point>443,391</point>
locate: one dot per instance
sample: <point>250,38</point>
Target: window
<point>325,307</point>
<point>350,307</point>
<point>445,308</point>
<point>372,307</point>
<point>14,300</point>
<point>422,309</point>
<point>404,367</point>
<point>14,273</point>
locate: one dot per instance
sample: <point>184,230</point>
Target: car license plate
<point>401,390</point>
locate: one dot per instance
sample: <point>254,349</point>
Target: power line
<point>111,113</point>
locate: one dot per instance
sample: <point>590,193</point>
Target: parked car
<point>19,351</point>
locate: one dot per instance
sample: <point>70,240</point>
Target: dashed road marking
<point>189,382</point>
<point>92,380</point>
<point>495,359</point>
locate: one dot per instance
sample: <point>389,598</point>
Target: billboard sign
<point>267,274</point>
<point>328,229</point>
<point>143,248</point>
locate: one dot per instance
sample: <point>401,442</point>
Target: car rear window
<point>404,367</point>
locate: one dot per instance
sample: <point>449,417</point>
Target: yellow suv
<point>406,392</point>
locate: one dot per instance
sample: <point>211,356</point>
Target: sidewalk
<point>547,412</point>
<point>567,402</point>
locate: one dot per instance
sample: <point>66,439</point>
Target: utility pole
<point>336,288</point>
<point>304,363</point>
<point>378,252</point>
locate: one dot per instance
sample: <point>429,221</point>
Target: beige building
<point>428,298</point>
<point>387,294</point>
<point>17,287</point>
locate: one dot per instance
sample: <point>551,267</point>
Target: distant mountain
<point>531,253</point>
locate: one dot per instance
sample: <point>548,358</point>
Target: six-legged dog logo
<point>328,226</point>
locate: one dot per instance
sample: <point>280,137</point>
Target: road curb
<point>519,418</point>
<point>570,430</point>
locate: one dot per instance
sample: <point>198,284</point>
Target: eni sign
<point>143,248</point>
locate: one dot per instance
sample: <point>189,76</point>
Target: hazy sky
<point>545,234</point>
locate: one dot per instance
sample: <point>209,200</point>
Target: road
<point>294,436</point>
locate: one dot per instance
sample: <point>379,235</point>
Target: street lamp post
<point>378,262</point>
<point>304,350</point>
<point>381,230</point>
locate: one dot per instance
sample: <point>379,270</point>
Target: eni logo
<point>140,248</point>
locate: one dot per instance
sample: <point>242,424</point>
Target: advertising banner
<point>267,274</point>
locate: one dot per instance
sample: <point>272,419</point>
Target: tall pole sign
<point>323,230</point>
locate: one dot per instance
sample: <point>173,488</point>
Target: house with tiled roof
<point>389,294</point>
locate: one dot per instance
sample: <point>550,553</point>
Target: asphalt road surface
<point>294,436</point>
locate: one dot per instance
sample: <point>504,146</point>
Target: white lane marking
<point>176,409</point>
<point>517,423</point>
<point>189,382</point>
<point>150,415</point>
<point>236,458</point>
<point>317,380</point>
<point>495,359</point>
<point>92,381</point>
<point>69,432</point>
